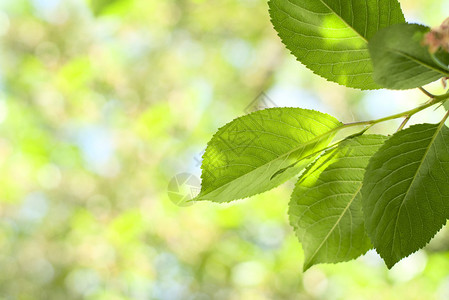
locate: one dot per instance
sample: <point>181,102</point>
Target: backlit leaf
<point>331,37</point>
<point>243,155</point>
<point>401,61</point>
<point>326,208</point>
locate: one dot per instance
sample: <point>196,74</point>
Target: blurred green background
<point>103,103</point>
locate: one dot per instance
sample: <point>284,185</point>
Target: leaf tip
<point>307,265</point>
<point>390,263</point>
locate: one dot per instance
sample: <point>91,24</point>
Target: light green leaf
<point>326,208</point>
<point>331,37</point>
<point>405,193</point>
<point>243,155</point>
<point>399,59</point>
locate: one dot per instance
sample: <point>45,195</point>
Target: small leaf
<point>405,193</point>
<point>331,37</point>
<point>325,207</point>
<point>243,155</point>
<point>401,61</point>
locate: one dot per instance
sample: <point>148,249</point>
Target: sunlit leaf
<point>331,37</point>
<point>326,208</point>
<point>243,155</point>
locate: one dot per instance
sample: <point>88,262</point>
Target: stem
<point>409,113</point>
<point>445,118</point>
<point>334,145</point>
<point>430,95</point>
<point>407,118</point>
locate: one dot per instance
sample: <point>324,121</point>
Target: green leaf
<point>243,155</point>
<point>331,37</point>
<point>326,208</point>
<point>405,193</point>
<point>399,59</point>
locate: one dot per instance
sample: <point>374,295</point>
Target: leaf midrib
<point>413,180</point>
<point>418,61</point>
<point>344,21</point>
<point>334,226</point>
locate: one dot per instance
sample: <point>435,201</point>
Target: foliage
<point>331,37</point>
<point>103,102</point>
<point>399,60</point>
<point>242,157</point>
<point>391,192</point>
<point>333,181</point>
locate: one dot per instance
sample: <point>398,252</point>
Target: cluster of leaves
<point>365,191</point>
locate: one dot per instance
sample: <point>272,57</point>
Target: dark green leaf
<point>331,37</point>
<point>405,193</point>
<point>401,61</point>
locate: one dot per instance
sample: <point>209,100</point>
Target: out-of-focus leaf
<point>101,7</point>
<point>401,61</point>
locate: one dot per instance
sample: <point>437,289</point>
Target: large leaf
<point>406,191</point>
<point>326,207</point>
<point>400,61</point>
<point>331,36</point>
<point>243,155</point>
